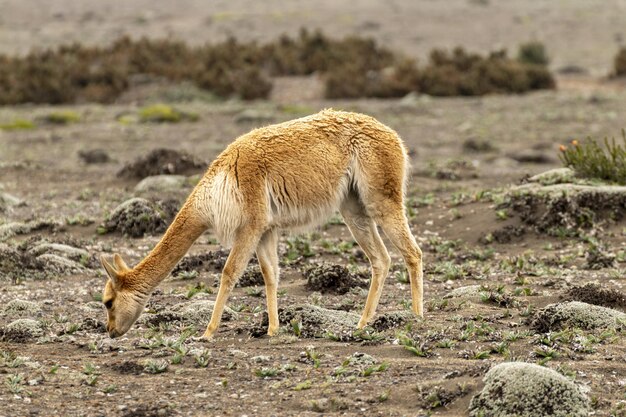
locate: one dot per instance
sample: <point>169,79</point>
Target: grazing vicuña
<point>292,175</point>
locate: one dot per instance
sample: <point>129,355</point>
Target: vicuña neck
<point>180,235</point>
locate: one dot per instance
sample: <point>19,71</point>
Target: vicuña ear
<point>119,263</point>
<point>111,272</point>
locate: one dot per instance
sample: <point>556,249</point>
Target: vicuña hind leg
<point>364,231</point>
<point>236,263</point>
<point>396,227</point>
<point>267,255</point>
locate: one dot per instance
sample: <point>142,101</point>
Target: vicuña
<point>288,176</point>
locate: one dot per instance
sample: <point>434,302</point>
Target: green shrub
<point>62,117</point>
<point>18,124</point>
<point>620,63</point>
<point>533,53</point>
<point>591,160</point>
<point>162,113</point>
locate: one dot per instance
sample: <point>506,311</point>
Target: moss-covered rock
<point>554,176</point>
<point>319,322</point>
<point>21,330</point>
<point>469,291</point>
<point>136,217</point>
<point>66,251</point>
<point>199,312</point>
<point>558,208</point>
<point>524,389</point>
<point>161,183</point>
<point>20,308</point>
<point>576,314</point>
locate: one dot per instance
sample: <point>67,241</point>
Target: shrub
<point>590,160</point>
<point>620,63</point>
<point>162,113</point>
<point>533,53</point>
<point>18,124</point>
<point>62,117</point>
<point>353,67</point>
<point>465,74</point>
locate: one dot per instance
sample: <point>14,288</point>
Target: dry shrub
<point>463,74</point>
<point>353,67</point>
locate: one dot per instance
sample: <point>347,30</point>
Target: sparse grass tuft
<point>590,160</point>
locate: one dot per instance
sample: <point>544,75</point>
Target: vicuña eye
<point>109,304</point>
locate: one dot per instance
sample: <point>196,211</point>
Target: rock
<point>65,251</point>
<point>254,116</point>
<point>21,308</point>
<point>162,161</point>
<point>136,217</point>
<point>333,278</point>
<point>199,312</point>
<point>10,259</point>
<point>251,277</point>
<point>59,264</point>
<point>576,314</point>
<point>470,291</point>
<point>594,293</point>
<point>161,183</point>
<point>94,156</point>
<point>318,322</point>
<point>553,208</point>
<point>525,389</point>
<point>17,228</point>
<point>554,176</point>
<point>22,329</point>
<point>532,156</point>
<point>392,320</point>
<point>7,200</point>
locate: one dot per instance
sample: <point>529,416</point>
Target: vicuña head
<point>124,303</point>
<point>289,176</point>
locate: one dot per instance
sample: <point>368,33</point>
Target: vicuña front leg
<point>233,269</point>
<point>267,255</point>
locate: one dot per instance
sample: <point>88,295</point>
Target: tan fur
<point>293,175</point>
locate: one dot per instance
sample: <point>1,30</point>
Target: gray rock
<point>470,291</point>
<point>525,389</point>
<point>161,183</point>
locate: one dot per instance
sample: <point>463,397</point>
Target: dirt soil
<point>55,357</point>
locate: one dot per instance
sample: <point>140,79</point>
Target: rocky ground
<point>518,267</point>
